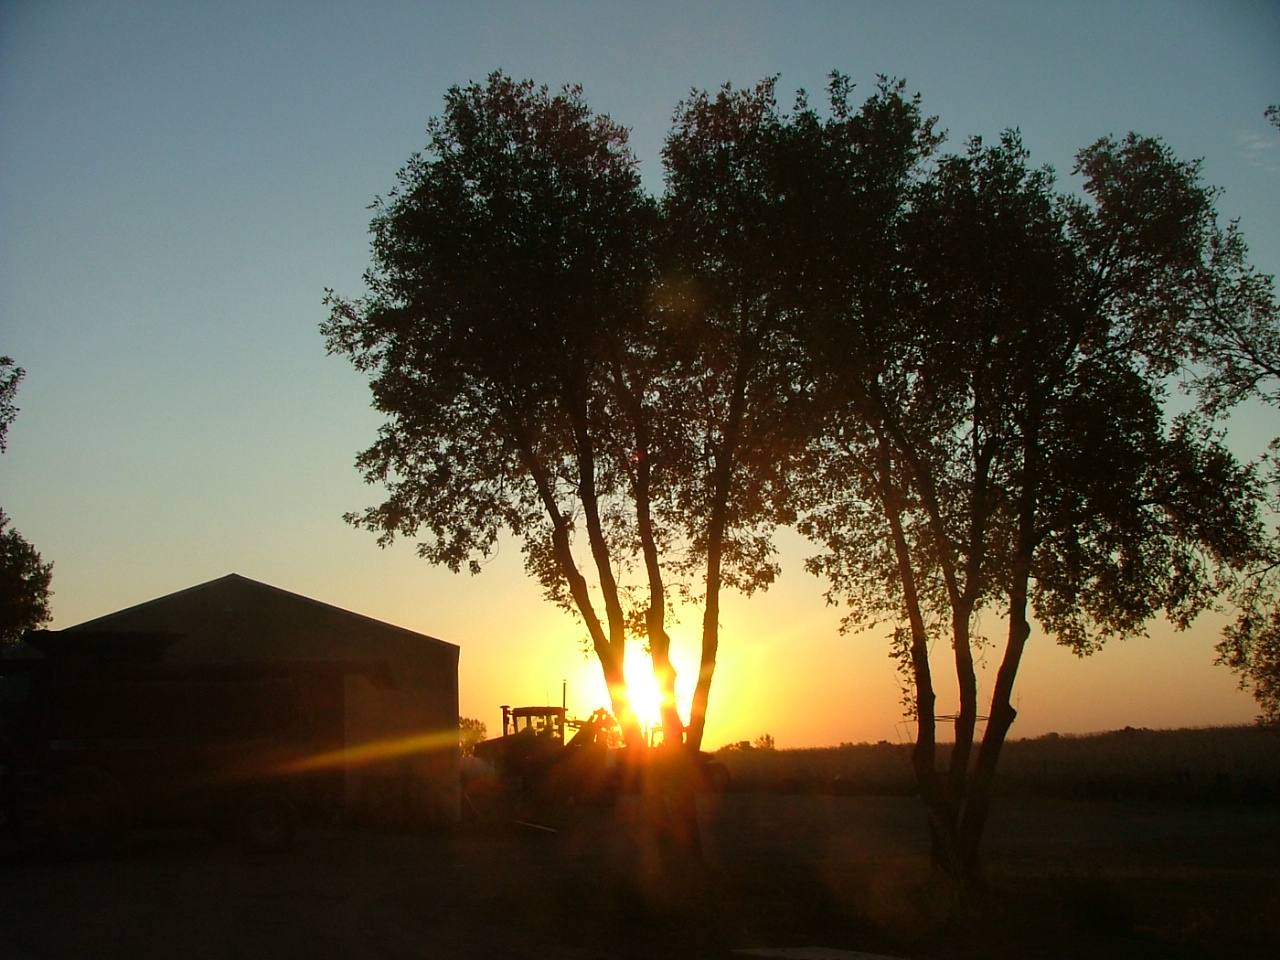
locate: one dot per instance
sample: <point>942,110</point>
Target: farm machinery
<point>537,760</point>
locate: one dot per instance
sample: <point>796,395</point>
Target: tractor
<point>534,760</point>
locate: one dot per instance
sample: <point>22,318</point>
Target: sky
<point>180,184</point>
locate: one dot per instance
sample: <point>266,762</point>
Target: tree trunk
<point>710,648</point>
<point>924,756</point>
<point>610,647</point>
<point>717,522</point>
<point>978,805</point>
<point>617,637</point>
<point>664,670</point>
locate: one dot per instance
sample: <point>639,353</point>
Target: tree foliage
<point>24,585</point>
<point>24,576</point>
<point>470,732</point>
<point>540,376</point>
<point>949,371</point>
<point>1237,360</point>
<point>511,268</point>
<point>997,441</point>
<point>10,377</point>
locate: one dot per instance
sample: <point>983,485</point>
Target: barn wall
<point>401,763</point>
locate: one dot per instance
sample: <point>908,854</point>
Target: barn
<point>400,740</point>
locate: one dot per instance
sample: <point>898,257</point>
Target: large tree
<point>558,354</point>
<point>998,441</point>
<point>734,392</point>
<point>511,273</point>
<point>24,575</point>
<point>1236,359</point>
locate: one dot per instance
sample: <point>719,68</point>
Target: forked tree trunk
<point>664,670</point>
<point>610,645</point>
<point>978,803</point>
<point>924,755</point>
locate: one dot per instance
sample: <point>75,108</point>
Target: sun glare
<point>642,686</point>
<point>588,693</point>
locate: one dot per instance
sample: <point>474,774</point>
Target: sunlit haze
<point>180,183</point>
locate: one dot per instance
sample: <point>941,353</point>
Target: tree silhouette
<point>511,265</point>
<point>1238,359</point>
<point>10,376</point>
<point>541,376</point>
<point>997,439</point>
<point>24,576</point>
<point>949,371</point>
<point>733,397</point>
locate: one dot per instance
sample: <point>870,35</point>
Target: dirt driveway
<point>780,871</point>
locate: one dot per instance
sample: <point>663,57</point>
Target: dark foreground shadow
<point>1082,880</point>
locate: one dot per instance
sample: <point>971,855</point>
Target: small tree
<point>470,732</point>
<point>24,576</point>
<point>24,585</point>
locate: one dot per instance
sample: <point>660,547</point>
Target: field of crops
<point>1214,764</point>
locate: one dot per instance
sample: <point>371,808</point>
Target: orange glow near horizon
<point>587,691</point>
<point>784,669</point>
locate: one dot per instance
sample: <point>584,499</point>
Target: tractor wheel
<point>88,811</point>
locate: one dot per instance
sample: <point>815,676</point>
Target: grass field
<point>1069,880</point>
<point>1150,845</point>
<point>1214,764</point>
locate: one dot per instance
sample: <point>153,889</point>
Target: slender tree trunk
<point>978,805</point>
<point>1003,713</point>
<point>609,647</point>
<point>962,608</point>
<point>617,642</point>
<point>943,802</point>
<point>967,688</point>
<point>710,642</point>
<point>1001,719</point>
<point>725,461</point>
<point>924,755</point>
<point>664,670</point>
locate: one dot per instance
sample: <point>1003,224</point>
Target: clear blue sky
<point>179,183</point>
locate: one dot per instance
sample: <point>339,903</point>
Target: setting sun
<point>643,687</point>
<point>586,691</point>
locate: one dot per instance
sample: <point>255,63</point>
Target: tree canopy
<point>511,268</point>
<point>10,376</point>
<point>950,372</point>
<point>24,575</point>
<point>1237,361</point>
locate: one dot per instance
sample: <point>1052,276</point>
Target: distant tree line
<point>946,370</point>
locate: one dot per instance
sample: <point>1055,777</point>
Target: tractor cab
<point>544,723</point>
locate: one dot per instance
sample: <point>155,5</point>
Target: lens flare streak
<point>375,751</point>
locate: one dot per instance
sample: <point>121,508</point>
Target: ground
<point>1066,879</point>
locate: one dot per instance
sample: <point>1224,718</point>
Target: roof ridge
<point>258,585</point>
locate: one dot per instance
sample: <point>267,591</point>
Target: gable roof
<point>234,587</point>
